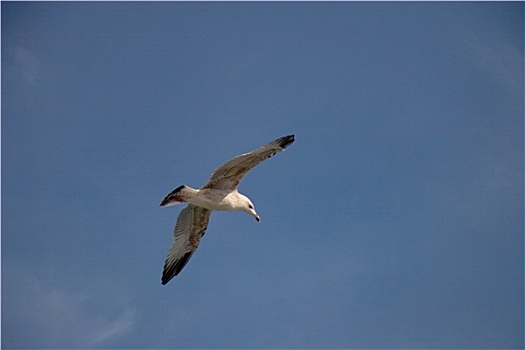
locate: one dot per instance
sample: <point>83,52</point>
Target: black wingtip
<point>175,269</point>
<point>286,141</point>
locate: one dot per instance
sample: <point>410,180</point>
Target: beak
<point>254,214</point>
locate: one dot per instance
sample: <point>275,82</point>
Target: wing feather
<point>229,175</point>
<point>190,227</point>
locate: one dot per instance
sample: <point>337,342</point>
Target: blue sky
<point>394,221</point>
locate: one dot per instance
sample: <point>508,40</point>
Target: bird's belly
<point>214,200</point>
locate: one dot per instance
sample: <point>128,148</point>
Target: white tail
<point>177,196</point>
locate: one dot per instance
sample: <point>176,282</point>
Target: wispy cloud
<point>51,316</point>
<point>26,64</point>
<point>499,58</point>
<point>115,328</point>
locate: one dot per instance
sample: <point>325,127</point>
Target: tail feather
<point>174,197</point>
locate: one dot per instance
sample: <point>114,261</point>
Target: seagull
<point>219,193</point>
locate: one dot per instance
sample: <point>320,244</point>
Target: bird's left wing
<point>190,227</point>
<point>228,175</point>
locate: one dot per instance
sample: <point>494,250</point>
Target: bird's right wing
<point>190,227</point>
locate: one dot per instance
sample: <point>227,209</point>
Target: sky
<point>395,220</point>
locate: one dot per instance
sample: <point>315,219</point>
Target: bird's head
<point>250,209</point>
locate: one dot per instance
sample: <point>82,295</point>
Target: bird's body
<point>208,198</point>
<point>219,193</point>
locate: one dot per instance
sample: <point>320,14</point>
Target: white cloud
<point>26,64</point>
<point>41,315</point>
<point>500,58</point>
<point>116,328</point>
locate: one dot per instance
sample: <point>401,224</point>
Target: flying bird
<point>219,193</point>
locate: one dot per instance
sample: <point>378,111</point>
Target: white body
<point>219,199</point>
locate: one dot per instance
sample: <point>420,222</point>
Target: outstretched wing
<point>228,176</point>
<point>191,225</point>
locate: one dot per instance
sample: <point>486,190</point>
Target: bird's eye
<point>250,206</point>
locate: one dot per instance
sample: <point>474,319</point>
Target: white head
<point>249,208</point>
